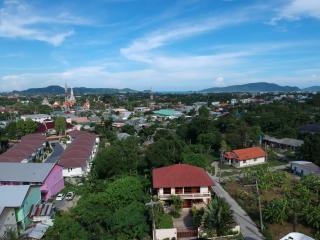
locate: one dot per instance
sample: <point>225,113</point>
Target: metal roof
<point>25,172</point>
<point>13,195</point>
<point>284,141</point>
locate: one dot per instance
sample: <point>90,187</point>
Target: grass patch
<point>164,221</point>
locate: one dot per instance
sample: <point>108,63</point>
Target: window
<point>244,161</point>
<point>179,190</point>
<point>167,191</point>
<point>195,189</point>
<point>187,190</point>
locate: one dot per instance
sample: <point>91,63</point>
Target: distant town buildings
<point>40,118</point>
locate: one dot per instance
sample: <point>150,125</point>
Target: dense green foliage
<point>60,125</point>
<point>116,212</point>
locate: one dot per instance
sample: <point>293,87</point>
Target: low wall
<point>166,233</point>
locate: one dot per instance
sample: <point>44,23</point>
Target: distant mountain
<point>312,89</point>
<point>41,91</point>
<point>252,87</point>
<point>58,90</point>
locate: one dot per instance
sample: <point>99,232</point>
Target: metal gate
<point>187,233</point>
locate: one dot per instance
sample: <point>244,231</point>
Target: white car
<point>60,197</point>
<point>70,196</point>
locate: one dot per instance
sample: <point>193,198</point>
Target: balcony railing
<point>186,195</point>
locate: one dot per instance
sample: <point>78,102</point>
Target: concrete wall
<point>166,233</point>
<point>7,221</point>
<point>72,172</point>
<point>249,162</point>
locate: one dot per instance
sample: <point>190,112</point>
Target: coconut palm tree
<point>217,218</point>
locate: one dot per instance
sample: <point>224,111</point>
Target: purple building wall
<point>53,184</point>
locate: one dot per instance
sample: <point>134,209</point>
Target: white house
<point>76,160</point>
<point>245,157</point>
<point>192,184</point>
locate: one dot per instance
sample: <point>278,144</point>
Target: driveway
<point>57,151</point>
<point>184,221</point>
<point>65,205</point>
<point>248,228</point>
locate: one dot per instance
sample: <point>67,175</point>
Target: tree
<point>176,205</point>
<point>310,148</point>
<point>128,129</point>
<point>203,112</point>
<point>165,152</point>
<point>65,227</point>
<point>60,125</point>
<point>30,126</point>
<point>196,159</point>
<point>210,140</point>
<point>11,130</point>
<point>122,157</point>
<point>217,219</point>
<point>25,127</point>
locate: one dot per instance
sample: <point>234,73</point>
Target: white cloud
<point>20,20</point>
<point>297,9</point>
<point>219,81</point>
<point>139,49</point>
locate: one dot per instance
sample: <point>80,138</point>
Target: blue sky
<point>159,44</point>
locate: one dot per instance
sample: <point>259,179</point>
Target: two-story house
<point>76,160</point>
<point>191,183</point>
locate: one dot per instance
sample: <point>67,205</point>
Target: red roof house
<point>246,157</point>
<point>191,183</point>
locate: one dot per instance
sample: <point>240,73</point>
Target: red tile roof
<point>78,152</point>
<point>180,175</point>
<point>23,150</point>
<point>246,153</point>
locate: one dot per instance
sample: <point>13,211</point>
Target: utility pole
<point>259,202</point>
<point>221,155</point>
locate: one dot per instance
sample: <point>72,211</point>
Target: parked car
<point>70,196</point>
<point>60,197</point>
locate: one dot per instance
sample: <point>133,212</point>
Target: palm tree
<point>217,218</point>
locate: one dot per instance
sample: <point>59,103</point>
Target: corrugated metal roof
<point>13,195</point>
<point>25,172</point>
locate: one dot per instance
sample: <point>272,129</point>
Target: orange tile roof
<point>246,153</point>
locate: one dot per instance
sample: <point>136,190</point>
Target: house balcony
<point>185,196</point>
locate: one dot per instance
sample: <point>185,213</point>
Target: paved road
<point>57,151</point>
<point>248,228</point>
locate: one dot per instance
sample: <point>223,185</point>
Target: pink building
<point>46,175</point>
